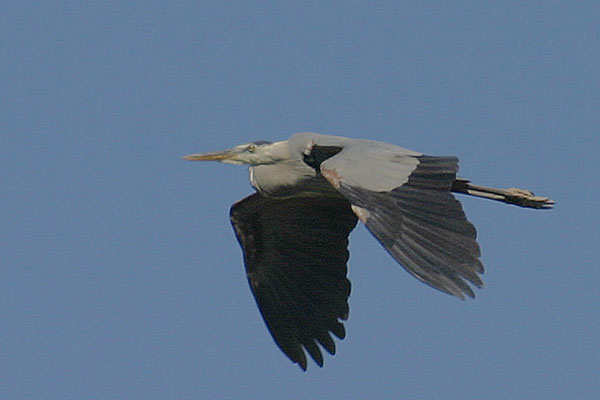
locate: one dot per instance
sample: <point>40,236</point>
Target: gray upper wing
<point>404,200</point>
<point>295,253</point>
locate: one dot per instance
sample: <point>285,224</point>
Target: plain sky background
<point>120,275</point>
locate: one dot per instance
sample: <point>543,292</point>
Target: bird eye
<point>251,148</point>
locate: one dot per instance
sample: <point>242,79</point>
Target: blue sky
<point>121,277</point>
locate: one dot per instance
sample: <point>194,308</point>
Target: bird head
<point>255,153</point>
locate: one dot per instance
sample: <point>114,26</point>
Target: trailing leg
<point>519,197</point>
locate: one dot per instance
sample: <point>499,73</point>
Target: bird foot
<point>526,198</point>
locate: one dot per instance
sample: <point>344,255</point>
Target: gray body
<point>291,173</point>
<point>311,191</point>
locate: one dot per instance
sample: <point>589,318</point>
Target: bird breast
<point>287,180</point>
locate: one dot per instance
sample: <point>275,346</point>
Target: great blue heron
<point>311,189</point>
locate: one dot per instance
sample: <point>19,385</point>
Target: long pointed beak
<point>216,156</point>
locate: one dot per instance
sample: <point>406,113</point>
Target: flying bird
<point>311,190</point>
